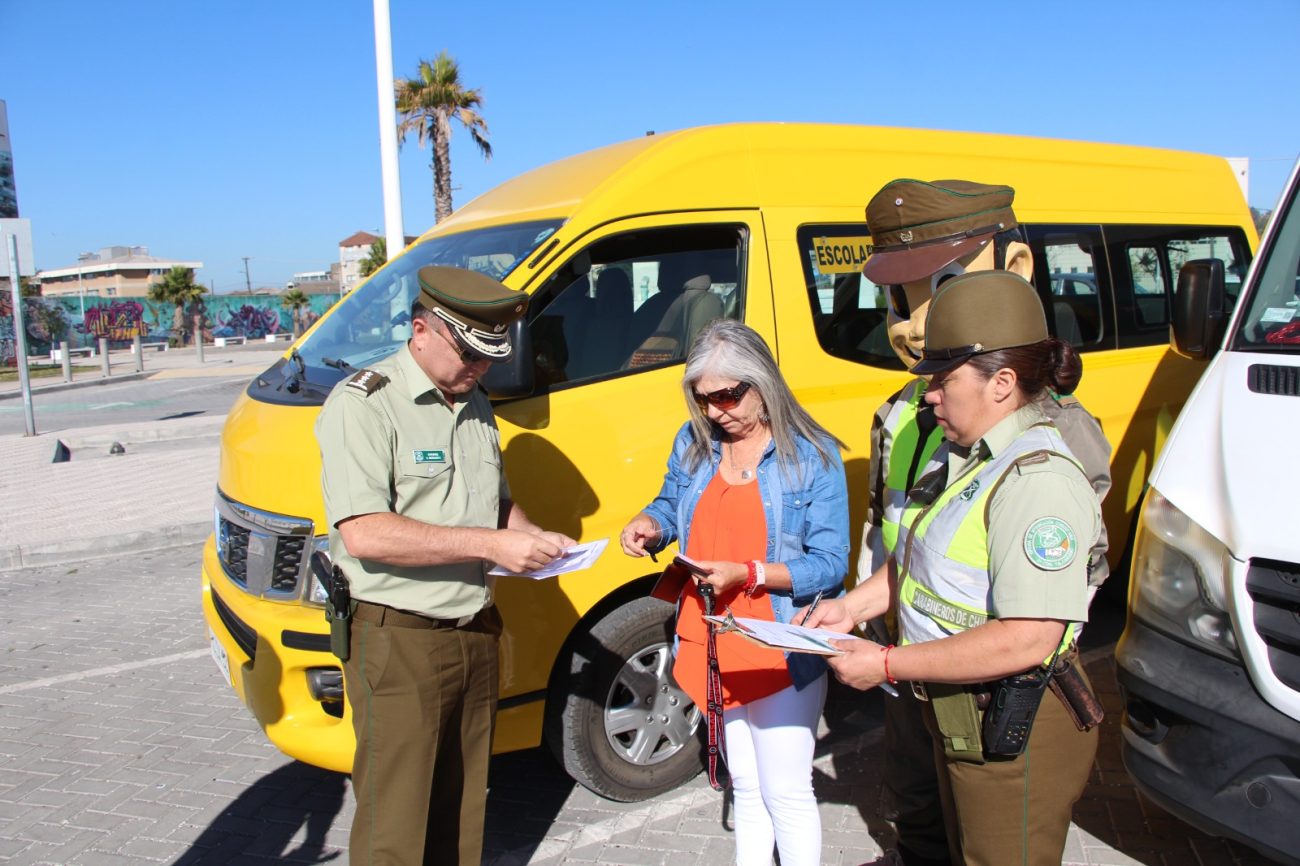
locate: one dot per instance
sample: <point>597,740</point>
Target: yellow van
<point>626,251</point>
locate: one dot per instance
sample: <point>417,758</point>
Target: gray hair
<point>731,350</point>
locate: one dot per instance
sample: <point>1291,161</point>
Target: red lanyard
<point>717,734</point>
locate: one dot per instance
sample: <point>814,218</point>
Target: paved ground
<point>121,743</point>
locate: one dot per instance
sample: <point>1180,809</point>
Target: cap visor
<point>903,266</point>
<point>931,366</point>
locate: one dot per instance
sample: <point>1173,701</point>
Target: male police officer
<point>419,509</point>
<point>923,234</point>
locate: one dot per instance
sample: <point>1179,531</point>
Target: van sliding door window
<point>1145,259</point>
<point>848,310</point>
<point>1073,284</point>
<point>635,301</point>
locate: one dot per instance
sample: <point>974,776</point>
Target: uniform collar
<point>1008,430</point>
<point>415,382</point>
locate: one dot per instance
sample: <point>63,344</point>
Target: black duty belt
<point>382,614</point>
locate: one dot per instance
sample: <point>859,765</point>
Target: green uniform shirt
<point>1053,491</point>
<point>403,448</point>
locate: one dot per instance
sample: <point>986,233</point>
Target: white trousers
<point>769,755</point>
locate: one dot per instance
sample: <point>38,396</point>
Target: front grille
<point>1272,379</point>
<point>288,563</point>
<point>263,553</point>
<point>1274,587</point>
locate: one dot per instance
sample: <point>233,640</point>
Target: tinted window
<point>1071,278</point>
<point>848,310</point>
<point>634,301</point>
<point>1145,261</point>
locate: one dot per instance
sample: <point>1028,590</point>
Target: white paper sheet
<point>788,636</point>
<point>576,558</point>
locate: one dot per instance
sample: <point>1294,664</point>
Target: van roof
<point>772,165</point>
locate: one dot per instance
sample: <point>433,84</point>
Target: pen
<point>812,607</point>
<point>886,687</point>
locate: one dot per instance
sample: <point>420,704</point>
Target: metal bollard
<point>66,359</point>
<point>139,353</point>
<point>103,356</point>
<point>198,344</point>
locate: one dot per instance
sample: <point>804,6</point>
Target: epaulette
<point>368,381</point>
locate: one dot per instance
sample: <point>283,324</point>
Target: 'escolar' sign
<point>840,255</point>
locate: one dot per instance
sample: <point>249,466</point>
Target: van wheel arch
<point>616,656</point>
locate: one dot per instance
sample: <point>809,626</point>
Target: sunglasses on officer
<point>467,355</point>
<point>897,294</point>
<point>723,398</point>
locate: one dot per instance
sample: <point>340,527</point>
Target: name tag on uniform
<point>430,456</point>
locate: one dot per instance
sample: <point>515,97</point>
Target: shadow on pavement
<point>526,791</point>
<point>261,824</point>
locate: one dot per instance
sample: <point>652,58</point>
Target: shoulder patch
<point>1051,544</point>
<point>368,381</point>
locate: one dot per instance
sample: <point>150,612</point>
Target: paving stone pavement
<point>120,743</point>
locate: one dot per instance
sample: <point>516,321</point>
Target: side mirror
<point>513,378</point>
<point>1198,317</point>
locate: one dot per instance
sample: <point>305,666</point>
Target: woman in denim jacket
<point>755,494</point>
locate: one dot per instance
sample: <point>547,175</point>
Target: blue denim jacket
<point>807,525</point>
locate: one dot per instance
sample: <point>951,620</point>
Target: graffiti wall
<point>51,320</point>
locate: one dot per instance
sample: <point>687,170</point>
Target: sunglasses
<point>723,398</point>
<point>896,295</point>
<point>467,355</point>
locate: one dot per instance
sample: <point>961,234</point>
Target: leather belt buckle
<point>918,690</point>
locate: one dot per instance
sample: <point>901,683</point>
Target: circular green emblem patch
<point>1050,543</point>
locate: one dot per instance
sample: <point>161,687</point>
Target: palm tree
<point>295,300</point>
<point>375,259</point>
<point>427,104</point>
<point>178,288</point>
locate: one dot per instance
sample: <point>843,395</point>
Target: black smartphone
<point>690,565</point>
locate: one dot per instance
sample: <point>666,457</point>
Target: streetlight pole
<point>248,281</point>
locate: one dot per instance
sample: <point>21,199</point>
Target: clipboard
<point>785,637</point>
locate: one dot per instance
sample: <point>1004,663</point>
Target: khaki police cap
<point>478,309</point>
<point>917,228</point>
<point>976,313</point>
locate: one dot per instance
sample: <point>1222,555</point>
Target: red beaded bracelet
<point>752,580</point>
<point>886,650</point>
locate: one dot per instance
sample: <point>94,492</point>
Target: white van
<point>1209,663</point>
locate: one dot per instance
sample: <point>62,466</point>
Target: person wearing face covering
<point>924,234</point>
<point>988,576</point>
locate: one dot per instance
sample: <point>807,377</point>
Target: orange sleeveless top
<point>728,525</point>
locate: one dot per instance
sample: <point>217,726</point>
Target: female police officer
<point>991,578</point>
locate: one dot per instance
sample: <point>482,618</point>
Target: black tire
<point>617,721</point>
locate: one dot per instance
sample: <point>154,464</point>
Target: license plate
<point>219,655</point>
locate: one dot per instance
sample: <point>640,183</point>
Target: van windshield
<point>1271,320</point>
<point>375,318</point>
<point>372,321</point>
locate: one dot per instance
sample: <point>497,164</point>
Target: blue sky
<point>218,130</point>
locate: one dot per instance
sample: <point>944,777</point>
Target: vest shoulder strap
<point>1026,464</point>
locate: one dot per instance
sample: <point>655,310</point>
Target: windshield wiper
<point>337,363</point>
<point>295,375</point>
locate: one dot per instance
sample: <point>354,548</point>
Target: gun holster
<point>339,606</point>
<point>1070,685</point>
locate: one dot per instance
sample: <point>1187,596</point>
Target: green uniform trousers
<point>1017,810</point>
<point>423,707</point>
<point>912,800</point>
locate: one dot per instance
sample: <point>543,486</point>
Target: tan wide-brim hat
<point>478,309</point>
<point>976,313</point>
<point>919,227</point>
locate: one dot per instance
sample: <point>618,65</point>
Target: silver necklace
<point>745,474</point>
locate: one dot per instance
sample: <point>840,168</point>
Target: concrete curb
<point>82,383</point>
<point>81,549</point>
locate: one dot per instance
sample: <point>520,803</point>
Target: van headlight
<point>317,594</point>
<point>1178,579</point>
